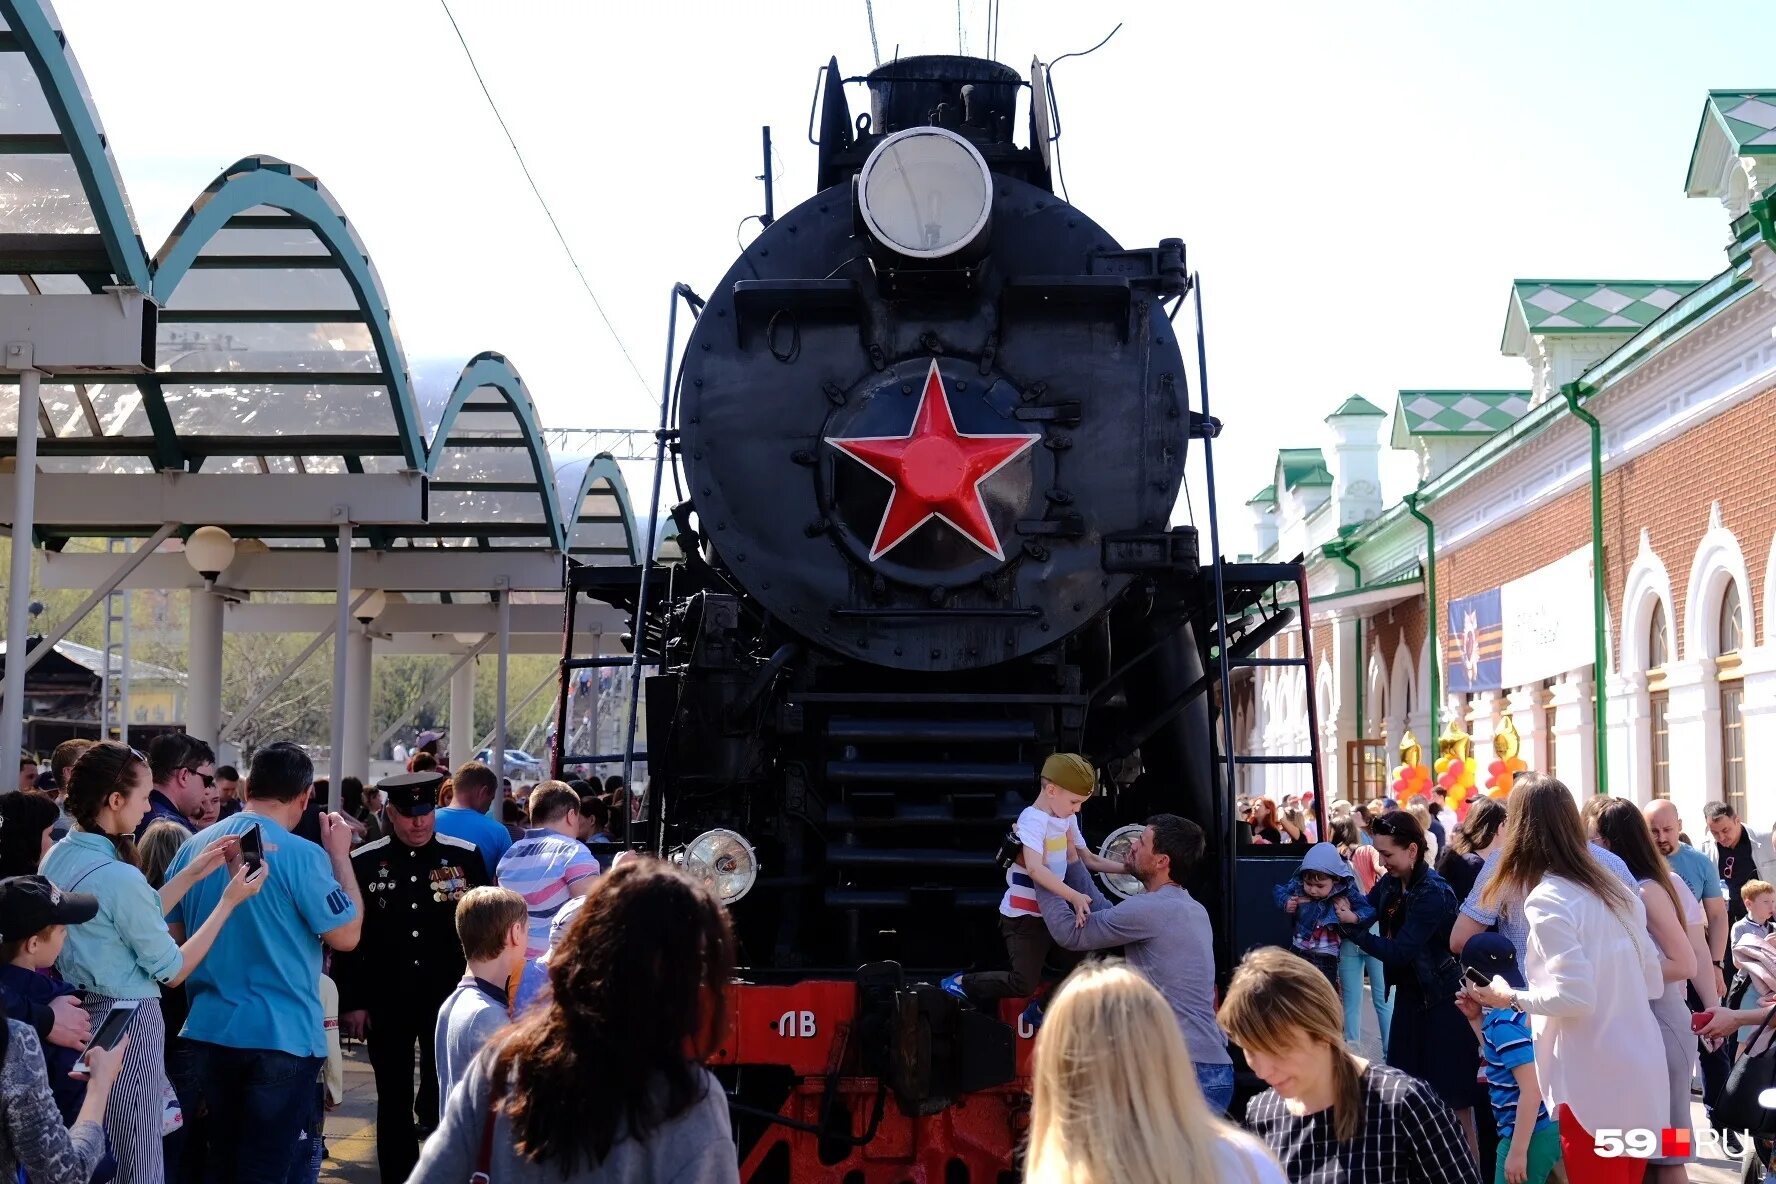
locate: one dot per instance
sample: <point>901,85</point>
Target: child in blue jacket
<point>1308,896</point>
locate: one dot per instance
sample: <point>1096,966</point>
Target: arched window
<point>1659,700</point>
<point>1730,631</point>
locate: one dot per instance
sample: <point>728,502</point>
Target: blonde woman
<point>1115,1094</point>
<point>1331,1117</point>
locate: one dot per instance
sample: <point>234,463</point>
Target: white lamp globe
<point>371,608</point>
<point>209,551</point>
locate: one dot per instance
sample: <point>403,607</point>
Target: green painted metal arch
<point>267,181</point>
<point>496,371</point>
<point>601,468</point>
<point>79,126</point>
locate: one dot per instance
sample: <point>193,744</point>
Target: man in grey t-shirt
<point>1165,935</point>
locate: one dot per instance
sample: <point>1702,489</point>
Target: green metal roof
<point>1576,306</point>
<point>1264,497</point>
<point>1455,413</point>
<point>1747,116</point>
<point>1357,405</point>
<point>1297,467</point>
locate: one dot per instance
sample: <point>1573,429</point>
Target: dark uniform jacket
<point>408,958</point>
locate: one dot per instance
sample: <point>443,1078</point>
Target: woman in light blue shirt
<point>126,952</point>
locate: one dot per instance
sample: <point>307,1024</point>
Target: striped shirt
<point>1408,1136</point>
<point>1506,1043</point>
<point>543,868</point>
<point>1038,830</point>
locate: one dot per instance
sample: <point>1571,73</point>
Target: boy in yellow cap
<point>1049,831</point>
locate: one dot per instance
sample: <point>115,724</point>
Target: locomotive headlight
<point>925,193</point>
<point>1116,847</point>
<point>724,861</point>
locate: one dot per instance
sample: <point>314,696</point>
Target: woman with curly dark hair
<point>605,1083</point>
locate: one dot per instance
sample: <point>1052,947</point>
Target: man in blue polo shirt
<point>471,794</point>
<point>256,1021</point>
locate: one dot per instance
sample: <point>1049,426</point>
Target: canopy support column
<point>462,710</point>
<point>341,631</point>
<point>18,600</point>
<point>499,699</point>
<point>203,687</point>
<point>358,658</point>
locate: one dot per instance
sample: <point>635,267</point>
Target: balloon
<point>1496,768</point>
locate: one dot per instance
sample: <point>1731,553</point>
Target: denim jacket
<point>1313,915</point>
<point>1416,919</point>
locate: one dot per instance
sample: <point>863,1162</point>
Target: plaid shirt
<point>1408,1136</point>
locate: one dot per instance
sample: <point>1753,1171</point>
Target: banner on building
<point>1533,628</point>
<point>1547,621</point>
<point>1475,643</point>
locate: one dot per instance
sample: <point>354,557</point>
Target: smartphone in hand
<point>111,1030</point>
<point>1475,977</point>
<point>252,848</point>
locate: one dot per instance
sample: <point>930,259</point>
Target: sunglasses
<point>209,779</point>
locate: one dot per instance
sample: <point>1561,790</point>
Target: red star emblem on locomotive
<point>936,472</point>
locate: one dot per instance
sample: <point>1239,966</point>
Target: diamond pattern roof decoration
<point>1357,405</point>
<point>1749,117</point>
<point>1587,306</point>
<point>1456,413</point>
<point>1735,123</point>
<point>1297,467</point>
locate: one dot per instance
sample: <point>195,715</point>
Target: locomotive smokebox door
<point>925,476</point>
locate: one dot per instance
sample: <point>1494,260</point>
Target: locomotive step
<point>915,730</point>
<point>1002,814</point>
<point>868,857</point>
<point>931,772</point>
<point>901,898</point>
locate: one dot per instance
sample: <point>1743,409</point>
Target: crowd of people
<point>1539,973</point>
<point>237,930</point>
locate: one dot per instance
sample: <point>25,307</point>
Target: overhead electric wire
<point>543,202</point>
<point>869,10</point>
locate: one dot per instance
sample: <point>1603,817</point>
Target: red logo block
<point>1674,1141</point>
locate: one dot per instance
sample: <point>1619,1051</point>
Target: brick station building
<point>1679,378</point>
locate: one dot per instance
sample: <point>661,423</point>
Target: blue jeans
<point>261,1100</point>
<point>1216,1082</point>
<point>1352,961</point>
<point>305,1164</point>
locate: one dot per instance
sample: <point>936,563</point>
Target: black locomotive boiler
<point>932,425</point>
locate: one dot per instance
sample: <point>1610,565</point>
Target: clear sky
<point>1358,183</point>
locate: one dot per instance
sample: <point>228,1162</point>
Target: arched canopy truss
<point>599,520</point>
<point>492,484</point>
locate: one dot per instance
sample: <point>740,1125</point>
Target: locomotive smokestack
<point>973,96</point>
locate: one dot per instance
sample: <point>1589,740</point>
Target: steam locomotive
<point>932,424</point>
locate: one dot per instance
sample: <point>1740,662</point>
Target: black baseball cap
<point>1493,955</point>
<point>31,904</point>
<point>412,793</point>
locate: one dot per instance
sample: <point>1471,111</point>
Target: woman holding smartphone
<point>126,952</point>
<point>32,1137</point>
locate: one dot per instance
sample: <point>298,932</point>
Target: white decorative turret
<point>1263,505</point>
<point>1356,460</point>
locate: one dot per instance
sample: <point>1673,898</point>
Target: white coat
<point>1592,975</point>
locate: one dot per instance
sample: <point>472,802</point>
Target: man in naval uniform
<point>408,960</point>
